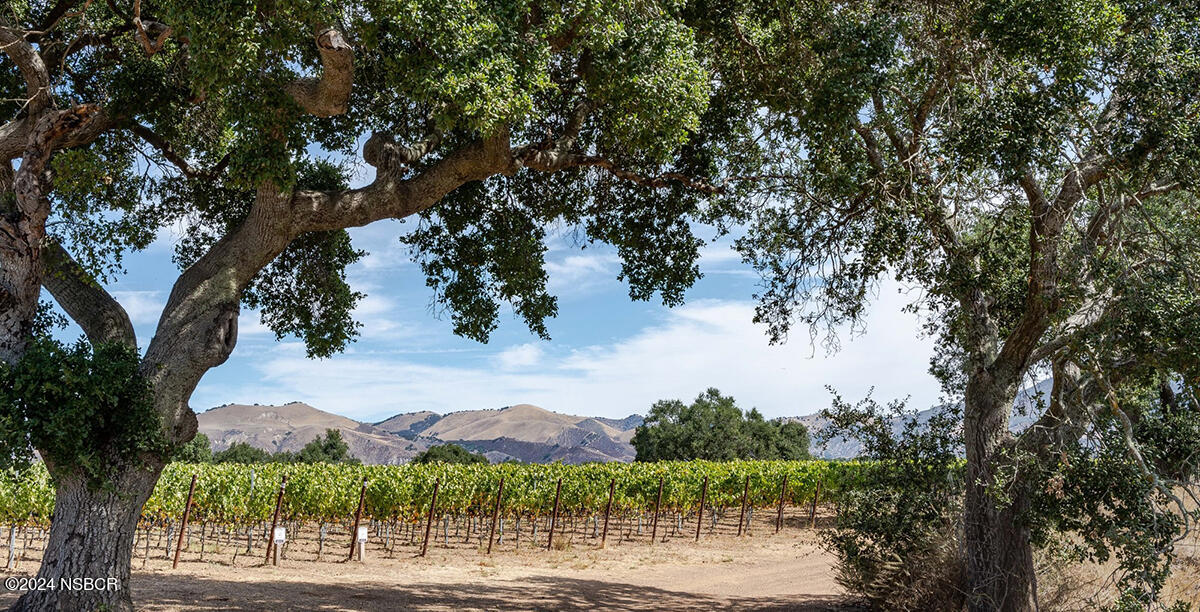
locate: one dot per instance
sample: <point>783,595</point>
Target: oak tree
<point>487,123</point>
<point>1030,166</point>
<point>713,428</point>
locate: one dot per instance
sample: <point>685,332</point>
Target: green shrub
<point>898,538</point>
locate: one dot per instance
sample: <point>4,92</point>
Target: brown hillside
<point>409,424</point>
<point>522,432</point>
<point>291,426</point>
<point>521,422</point>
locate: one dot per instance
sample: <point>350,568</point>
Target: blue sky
<point>609,356</point>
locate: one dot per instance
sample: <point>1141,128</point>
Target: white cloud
<point>720,252</point>
<point>378,314</point>
<point>143,307</point>
<point>580,273</point>
<point>703,344</point>
<point>521,356</point>
<point>250,325</point>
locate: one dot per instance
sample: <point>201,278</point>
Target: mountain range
<point>522,432</point>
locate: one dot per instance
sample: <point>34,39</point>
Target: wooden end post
<point>612,485</point>
<point>187,510</point>
<point>272,547</point>
<point>657,504</point>
<point>782,493</point>
<point>700,513</point>
<point>429,522</point>
<point>745,498</point>
<point>495,515</point>
<point>812,514</point>
<point>554,515</point>
<point>362,498</point>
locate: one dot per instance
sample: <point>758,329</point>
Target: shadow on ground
<point>534,593</point>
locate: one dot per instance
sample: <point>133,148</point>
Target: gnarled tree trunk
<point>999,554</point>
<point>91,537</point>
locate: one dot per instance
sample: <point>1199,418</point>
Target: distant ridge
<point>522,432</point>
<point>1025,412</point>
<point>290,426</point>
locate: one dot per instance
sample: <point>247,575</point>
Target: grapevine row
<point>236,493</point>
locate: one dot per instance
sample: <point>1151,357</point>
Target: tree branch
<point>14,135</point>
<point>1090,314</point>
<point>384,153</point>
<point>88,304</point>
<point>1049,218</point>
<point>151,43</point>
<point>173,156</point>
<point>29,62</point>
<point>198,326</point>
<point>557,154</point>
<point>1066,416</point>
<point>328,95</point>
<point>60,11</point>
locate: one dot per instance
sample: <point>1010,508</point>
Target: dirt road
<point>787,571</point>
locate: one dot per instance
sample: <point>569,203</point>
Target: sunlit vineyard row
<point>235,493</point>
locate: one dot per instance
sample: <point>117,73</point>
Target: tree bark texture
<point>999,553</point>
<point>91,536</point>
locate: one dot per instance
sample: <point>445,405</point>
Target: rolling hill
<point>1026,410</point>
<point>522,432</point>
<point>291,426</point>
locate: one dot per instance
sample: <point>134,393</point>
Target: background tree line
<point>327,448</point>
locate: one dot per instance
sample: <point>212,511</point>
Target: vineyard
<point>234,502</point>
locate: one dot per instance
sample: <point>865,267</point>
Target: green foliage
<point>959,101</point>
<point>327,448</point>
<point>26,495</point>
<point>1032,168</point>
<point>241,452</point>
<point>98,210</point>
<point>217,93</point>
<point>303,292</point>
<point>329,492</point>
<point>478,247</point>
<point>197,450</point>
<point>449,453</point>
<point>1110,506</point>
<point>715,429</point>
<point>244,493</point>
<point>84,408</point>
<point>330,448</point>
<point>898,535</point>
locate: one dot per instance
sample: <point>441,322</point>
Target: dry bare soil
<point>765,571</point>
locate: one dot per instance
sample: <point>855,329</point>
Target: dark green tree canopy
<point>449,453</point>
<point>241,452</point>
<point>714,428</point>
<point>329,448</point>
<point>221,106</point>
